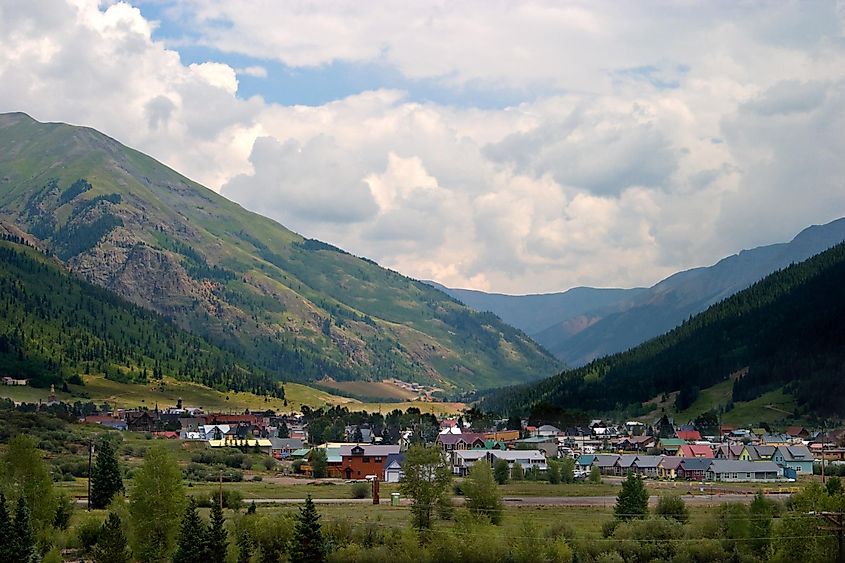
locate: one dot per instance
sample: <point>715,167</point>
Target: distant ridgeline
<point>787,329</point>
<point>54,326</point>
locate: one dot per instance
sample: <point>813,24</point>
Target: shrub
<point>360,490</point>
<point>88,532</point>
<point>672,506</point>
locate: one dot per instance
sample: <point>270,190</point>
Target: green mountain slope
<point>54,327</point>
<point>786,329</point>
<point>300,308</point>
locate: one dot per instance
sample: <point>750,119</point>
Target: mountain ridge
<point>299,307</point>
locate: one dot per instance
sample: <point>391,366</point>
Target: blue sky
<point>333,80</point>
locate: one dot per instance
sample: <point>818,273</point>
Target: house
<point>797,432</point>
<point>729,451</point>
<point>670,446</point>
<point>526,458</point>
<point>465,441</point>
<point>393,468</point>
<point>737,470</point>
<point>584,463</point>
<point>141,421</point>
<point>281,448</point>
<point>105,420</point>
<point>606,463</point>
<point>796,458</point>
<point>668,466</point>
<point>688,435</point>
<point>547,445</point>
<point>646,465</point>
<point>637,443</point>
<point>463,460</point>
<point>623,464</point>
<point>548,431</point>
<point>359,461</point>
<point>757,453</point>
<point>14,382</point>
<point>776,439</point>
<point>502,435</point>
<point>261,444</point>
<point>693,450</point>
<point>693,468</point>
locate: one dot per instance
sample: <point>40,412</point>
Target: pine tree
<point>111,546</point>
<point>106,480</point>
<point>217,542</point>
<point>283,431</point>
<point>192,546</point>
<point>632,500</point>
<point>517,474</point>
<point>23,550</point>
<point>6,531</point>
<point>308,544</point>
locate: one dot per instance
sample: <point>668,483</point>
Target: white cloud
<point>652,138</point>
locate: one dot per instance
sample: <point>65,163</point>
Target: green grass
<point>745,413</point>
<point>131,395</point>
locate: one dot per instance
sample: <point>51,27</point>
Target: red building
<point>357,462</point>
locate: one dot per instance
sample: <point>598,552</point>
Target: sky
<point>507,146</point>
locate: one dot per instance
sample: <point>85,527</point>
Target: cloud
<point>648,140</point>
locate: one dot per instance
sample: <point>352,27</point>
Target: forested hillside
<point>54,327</point>
<point>787,329</point>
<point>298,307</point>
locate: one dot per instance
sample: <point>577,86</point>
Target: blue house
<point>797,458</point>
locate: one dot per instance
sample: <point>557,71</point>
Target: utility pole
<point>90,458</point>
<point>221,489</point>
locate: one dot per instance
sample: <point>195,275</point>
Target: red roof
<point>692,450</point>
<point>689,435</point>
<point>169,435</point>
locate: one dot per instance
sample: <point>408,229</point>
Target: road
<point>597,501</point>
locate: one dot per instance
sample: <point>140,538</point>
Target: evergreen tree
<point>217,542</point>
<point>632,500</point>
<point>6,531</point>
<point>501,471</point>
<point>23,549</point>
<point>283,431</point>
<point>308,544</point>
<point>357,436</point>
<point>595,474</point>
<point>833,486</point>
<point>111,545</point>
<point>106,480</point>
<point>482,494</point>
<point>191,546</point>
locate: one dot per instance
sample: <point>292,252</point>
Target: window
<point>366,459</point>
<point>378,459</point>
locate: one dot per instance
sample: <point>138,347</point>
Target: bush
<point>88,532</point>
<point>672,506</point>
<point>360,490</point>
<point>257,478</point>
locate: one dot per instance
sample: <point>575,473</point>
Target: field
<point>372,389</point>
<point>169,390</point>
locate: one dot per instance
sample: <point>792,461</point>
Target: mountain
<point>297,307</point>
<point>575,308</point>
<point>671,301</point>
<point>55,326</point>
<point>585,323</point>
<point>784,331</point>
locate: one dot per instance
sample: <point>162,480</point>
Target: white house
<point>737,470</point>
<point>393,468</point>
